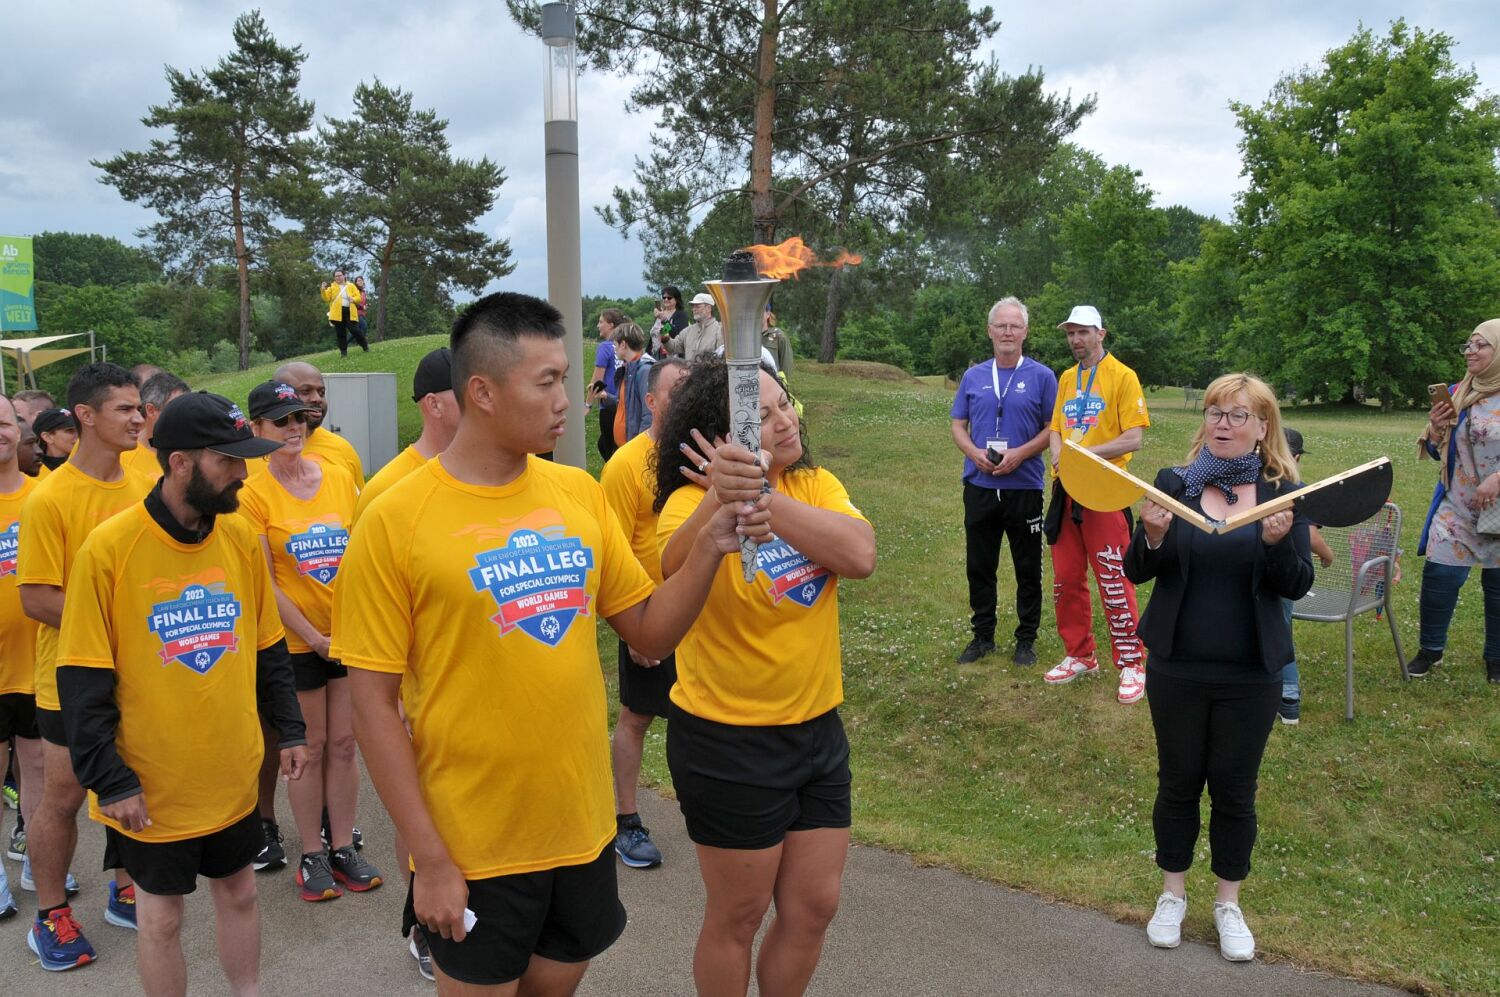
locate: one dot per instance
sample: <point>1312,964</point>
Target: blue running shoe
<point>29,885</point>
<point>120,911</point>
<point>634,845</point>
<point>58,941</point>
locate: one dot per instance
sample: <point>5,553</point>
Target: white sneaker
<point>1235,941</point>
<point>1132,685</point>
<point>1069,669</point>
<point>1164,930</point>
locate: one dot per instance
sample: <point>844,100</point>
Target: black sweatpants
<point>1013,514</point>
<point>348,328</point>
<point>607,444</point>
<point>1208,733</point>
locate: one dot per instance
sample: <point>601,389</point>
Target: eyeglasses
<point>1015,326</point>
<point>289,418</point>
<point>1474,346</point>
<point>1237,417</point>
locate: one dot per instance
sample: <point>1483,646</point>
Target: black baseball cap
<point>434,374</point>
<point>274,399</point>
<point>205,421</point>
<point>1294,441</point>
<point>53,419</point>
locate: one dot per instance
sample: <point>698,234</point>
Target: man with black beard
<point>170,648</point>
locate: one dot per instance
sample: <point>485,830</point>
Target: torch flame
<point>792,257</point>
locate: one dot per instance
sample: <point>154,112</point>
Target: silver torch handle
<point>744,429</point>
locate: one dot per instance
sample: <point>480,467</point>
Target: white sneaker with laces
<point>1165,927</point>
<point>1069,669</point>
<point>1236,943</point>
<point>1132,685</point>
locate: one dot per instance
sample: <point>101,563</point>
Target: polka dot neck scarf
<point>1222,474</point>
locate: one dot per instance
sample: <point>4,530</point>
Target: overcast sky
<point>78,75</point>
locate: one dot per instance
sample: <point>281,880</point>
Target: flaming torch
<point>750,275</point>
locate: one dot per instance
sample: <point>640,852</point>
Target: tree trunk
<point>828,350</point>
<point>385,283</point>
<point>242,264</point>
<point>762,201</point>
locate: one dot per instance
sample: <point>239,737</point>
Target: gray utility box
<point>362,409</point>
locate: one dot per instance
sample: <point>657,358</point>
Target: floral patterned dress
<point>1454,538</point>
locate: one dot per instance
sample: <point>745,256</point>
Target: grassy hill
<point>1378,838</point>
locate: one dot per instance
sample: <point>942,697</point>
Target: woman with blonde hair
<point>1463,433</point>
<point>1218,639</point>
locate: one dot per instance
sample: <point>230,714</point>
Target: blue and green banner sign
<point>17,297</point>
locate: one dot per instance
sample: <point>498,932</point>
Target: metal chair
<point>1364,565</point>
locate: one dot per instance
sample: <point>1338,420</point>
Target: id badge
<point>999,446</point>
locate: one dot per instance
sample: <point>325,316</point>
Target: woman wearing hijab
<point>1218,640</point>
<point>1464,434</point>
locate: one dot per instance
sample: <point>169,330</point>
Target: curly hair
<point>701,401</point>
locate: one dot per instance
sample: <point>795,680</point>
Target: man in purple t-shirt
<point>1000,418</point>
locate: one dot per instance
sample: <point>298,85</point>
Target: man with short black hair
<point>486,554</point>
<point>28,450</point>
<point>321,443</point>
<point>171,645</point>
<point>59,515</point>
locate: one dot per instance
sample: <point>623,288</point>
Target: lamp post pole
<point>564,256</point>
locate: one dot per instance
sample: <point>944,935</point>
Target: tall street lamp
<point>564,258</point>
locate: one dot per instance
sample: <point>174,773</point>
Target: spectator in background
<point>705,336</point>
<point>364,304</point>
<point>31,403</point>
<point>778,344</point>
<point>602,390</point>
<point>1101,406</point>
<point>674,313</point>
<point>58,433</point>
<point>1000,418</point>
<point>1290,711</point>
<point>343,312</point>
<point>633,415</point>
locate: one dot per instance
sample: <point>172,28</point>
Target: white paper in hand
<point>470,919</point>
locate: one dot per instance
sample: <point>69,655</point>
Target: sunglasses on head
<point>289,418</point>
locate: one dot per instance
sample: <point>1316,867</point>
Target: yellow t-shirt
<point>1115,403</point>
<point>56,519</point>
<point>630,489</point>
<point>767,652</point>
<point>328,446</point>
<point>179,625</point>
<point>141,460</point>
<point>307,541</point>
<point>400,466</point>
<point>486,601</point>
<point>17,630</point>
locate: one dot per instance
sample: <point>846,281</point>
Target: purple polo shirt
<point>1028,391</point>
<point>604,357</point>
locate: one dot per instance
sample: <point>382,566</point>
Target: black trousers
<point>348,328</point>
<point>1213,733</point>
<point>990,516</point>
<point>607,444</point>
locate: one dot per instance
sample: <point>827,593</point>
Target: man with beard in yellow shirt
<point>171,645</point>
<point>472,589</point>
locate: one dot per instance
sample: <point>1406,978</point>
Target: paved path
<point>902,930</point>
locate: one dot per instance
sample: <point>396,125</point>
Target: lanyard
<point>1084,391</point>
<point>999,395</point>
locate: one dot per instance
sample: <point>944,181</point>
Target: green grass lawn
<point>1378,838</point>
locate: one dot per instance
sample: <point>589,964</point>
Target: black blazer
<point>1281,571</point>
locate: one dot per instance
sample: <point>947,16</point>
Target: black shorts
<point>311,670</point>
<point>568,914</point>
<point>172,868</point>
<point>49,724</point>
<point>645,690</point>
<point>18,716</point>
<point>746,787</point>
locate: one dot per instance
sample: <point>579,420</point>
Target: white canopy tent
<point>30,354</point>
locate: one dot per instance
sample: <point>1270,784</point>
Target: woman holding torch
<point>757,752</point>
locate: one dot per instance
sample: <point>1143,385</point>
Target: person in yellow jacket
<point>343,312</point>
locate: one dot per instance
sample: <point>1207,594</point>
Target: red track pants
<point>1098,542</point>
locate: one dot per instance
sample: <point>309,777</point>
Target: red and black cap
<point>205,421</point>
<point>274,399</point>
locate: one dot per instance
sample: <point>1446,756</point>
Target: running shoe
<point>12,794</point>
<point>420,952</point>
<point>7,902</point>
<point>1290,712</point>
<point>58,941</point>
<point>70,886</point>
<point>1165,928</point>
<point>1236,943</point>
<point>315,878</point>
<point>1423,662</point>
<point>353,871</point>
<point>271,854</point>
<point>634,845</point>
<point>17,848</point>
<point>120,911</point>
<point>355,834</point>
<point>1025,653</point>
<point>978,648</point>
<point>1132,685</point>
<point>1069,669</point>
